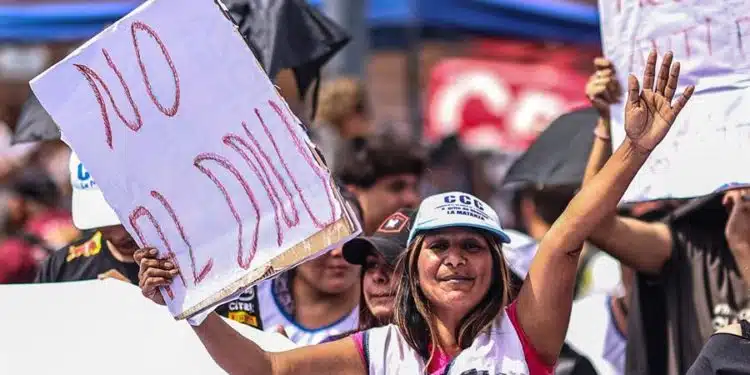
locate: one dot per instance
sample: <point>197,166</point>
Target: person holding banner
<point>700,259</point>
<point>104,251</point>
<point>452,312</point>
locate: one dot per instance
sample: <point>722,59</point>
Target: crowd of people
<point>436,283</point>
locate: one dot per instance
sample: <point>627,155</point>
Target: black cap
<point>389,240</point>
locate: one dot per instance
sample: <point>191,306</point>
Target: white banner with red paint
<point>195,150</point>
<point>497,105</point>
<point>706,150</point>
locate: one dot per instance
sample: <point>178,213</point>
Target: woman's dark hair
<point>363,161</point>
<point>413,312</point>
<point>366,318</point>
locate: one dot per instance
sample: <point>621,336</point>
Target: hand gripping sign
<point>708,148</point>
<point>195,150</point>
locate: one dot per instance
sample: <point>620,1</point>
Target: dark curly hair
<point>363,161</point>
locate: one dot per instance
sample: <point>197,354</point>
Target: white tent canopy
<point>101,327</point>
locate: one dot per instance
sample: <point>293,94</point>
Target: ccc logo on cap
<point>464,199</point>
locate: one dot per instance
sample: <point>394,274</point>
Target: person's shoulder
<point>741,328</point>
<point>382,332</point>
<point>381,339</point>
<point>732,329</point>
<point>725,352</point>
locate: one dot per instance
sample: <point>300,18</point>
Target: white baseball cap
<point>90,209</point>
<point>456,209</point>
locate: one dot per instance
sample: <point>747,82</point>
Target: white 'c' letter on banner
<point>195,150</point>
<point>709,148</point>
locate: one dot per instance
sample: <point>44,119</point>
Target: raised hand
<point>649,113</point>
<point>602,88</point>
<point>153,273</point>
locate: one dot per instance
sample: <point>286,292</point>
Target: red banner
<point>497,104</point>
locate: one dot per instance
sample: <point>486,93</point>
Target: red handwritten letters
<point>93,78</point>
<point>282,190</point>
<point>683,42</point>
<point>243,261</point>
<point>648,3</point>
<point>139,26</point>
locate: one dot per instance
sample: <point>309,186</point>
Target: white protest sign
<point>707,149</point>
<point>103,327</point>
<point>195,150</point>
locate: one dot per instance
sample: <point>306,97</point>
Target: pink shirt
<point>441,360</point>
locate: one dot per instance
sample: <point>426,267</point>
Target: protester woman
<point>452,312</point>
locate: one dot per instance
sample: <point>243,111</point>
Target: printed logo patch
<point>244,318</point>
<point>81,179</point>
<point>394,223</point>
<point>89,248</point>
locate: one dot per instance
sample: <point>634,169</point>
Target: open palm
<point>649,113</point>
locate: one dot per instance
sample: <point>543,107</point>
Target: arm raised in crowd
<point>550,283</point>
<point>640,245</point>
<point>602,89</point>
<point>238,355</point>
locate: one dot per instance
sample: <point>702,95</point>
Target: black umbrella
<point>559,156</point>
<point>34,123</point>
<point>283,34</point>
<point>288,34</point>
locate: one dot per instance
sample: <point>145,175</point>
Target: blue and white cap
<point>90,209</point>
<point>456,209</point>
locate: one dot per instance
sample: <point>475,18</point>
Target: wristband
<point>601,134</point>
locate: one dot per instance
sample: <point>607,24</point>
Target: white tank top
<point>273,314</point>
<point>498,350</point>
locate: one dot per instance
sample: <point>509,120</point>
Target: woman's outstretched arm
<point>546,297</point>
<point>238,355</point>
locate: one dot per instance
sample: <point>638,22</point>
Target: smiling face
<point>379,287</point>
<point>455,269</point>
